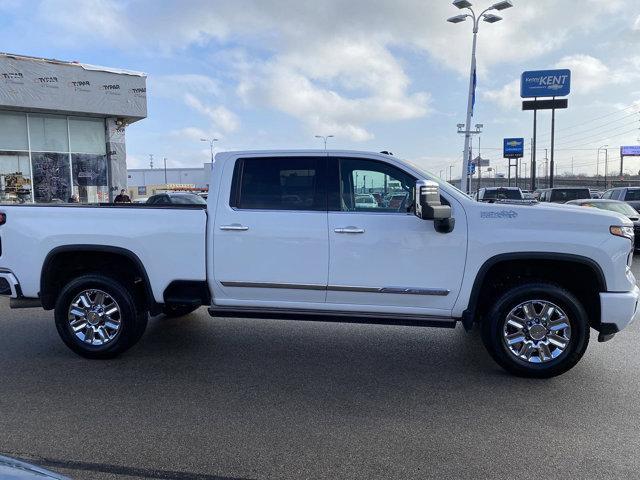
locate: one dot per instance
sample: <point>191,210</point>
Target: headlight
<point>626,232</point>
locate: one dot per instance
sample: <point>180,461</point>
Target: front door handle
<point>349,230</point>
<point>234,227</point>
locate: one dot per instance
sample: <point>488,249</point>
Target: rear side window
<point>632,195</point>
<point>279,183</point>
<point>564,195</point>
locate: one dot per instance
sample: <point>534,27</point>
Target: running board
<point>333,316</point>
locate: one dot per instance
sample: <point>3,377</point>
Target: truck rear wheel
<point>536,330</point>
<point>97,317</point>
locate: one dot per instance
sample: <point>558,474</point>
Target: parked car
<point>631,195</point>
<point>251,253</point>
<point>616,206</point>
<point>563,194</point>
<point>595,193</point>
<point>12,469</point>
<point>491,194</point>
<point>366,201</point>
<point>141,200</point>
<point>396,201</point>
<point>175,198</point>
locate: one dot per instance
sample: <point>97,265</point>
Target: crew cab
<point>283,236</point>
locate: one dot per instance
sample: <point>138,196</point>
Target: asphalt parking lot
<point>200,398</point>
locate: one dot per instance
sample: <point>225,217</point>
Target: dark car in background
<point>616,206</point>
<point>563,194</point>
<point>176,198</point>
<point>630,195</point>
<point>493,194</point>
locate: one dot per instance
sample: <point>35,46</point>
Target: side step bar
<point>330,316</point>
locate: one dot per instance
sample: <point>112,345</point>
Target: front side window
<point>286,183</point>
<point>374,186</point>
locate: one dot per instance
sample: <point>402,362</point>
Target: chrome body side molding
<point>440,292</point>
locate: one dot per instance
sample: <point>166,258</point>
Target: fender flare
<point>468,316</point>
<point>48,302</point>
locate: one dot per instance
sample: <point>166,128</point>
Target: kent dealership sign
<point>545,83</point>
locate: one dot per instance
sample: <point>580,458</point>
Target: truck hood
<point>548,214</point>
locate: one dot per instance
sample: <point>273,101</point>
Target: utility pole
<point>546,168</point>
<point>165,171</point>
<point>450,172</point>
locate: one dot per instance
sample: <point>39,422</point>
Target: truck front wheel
<point>97,317</point>
<point>536,330</point>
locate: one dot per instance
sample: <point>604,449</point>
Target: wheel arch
<point>470,315</point>
<point>49,288</point>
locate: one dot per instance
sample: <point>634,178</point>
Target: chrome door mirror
<point>429,207</point>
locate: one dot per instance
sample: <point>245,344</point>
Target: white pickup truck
<point>283,236</point>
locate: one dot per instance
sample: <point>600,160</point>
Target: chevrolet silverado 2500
<point>284,236</point>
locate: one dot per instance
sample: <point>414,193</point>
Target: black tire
<point>133,318</point>
<point>494,323</point>
<point>175,311</point>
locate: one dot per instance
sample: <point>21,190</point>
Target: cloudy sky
<point>377,74</point>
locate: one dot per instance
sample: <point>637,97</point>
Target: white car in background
<point>366,201</point>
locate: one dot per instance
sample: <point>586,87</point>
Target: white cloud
<point>507,97</point>
<point>222,117</point>
<point>171,86</point>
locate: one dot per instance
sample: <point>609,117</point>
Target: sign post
<point>544,83</point>
<point>513,148</point>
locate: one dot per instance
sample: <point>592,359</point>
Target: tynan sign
<point>545,83</point>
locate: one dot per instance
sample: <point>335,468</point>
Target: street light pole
<point>603,147</point>
<point>211,142</point>
<point>489,18</point>
<point>325,138</point>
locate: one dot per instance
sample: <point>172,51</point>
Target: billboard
<point>545,83</point>
<point>513,148</point>
<point>630,151</point>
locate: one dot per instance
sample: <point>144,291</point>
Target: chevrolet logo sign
<point>513,143</point>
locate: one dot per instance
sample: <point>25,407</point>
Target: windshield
<point>566,194</point>
<point>502,194</point>
<point>621,207</point>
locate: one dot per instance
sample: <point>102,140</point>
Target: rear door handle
<point>349,230</point>
<point>235,227</point>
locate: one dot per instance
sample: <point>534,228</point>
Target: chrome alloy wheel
<point>94,317</point>
<point>536,331</point>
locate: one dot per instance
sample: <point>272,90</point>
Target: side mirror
<point>428,206</point>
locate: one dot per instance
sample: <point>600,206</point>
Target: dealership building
<point>62,129</point>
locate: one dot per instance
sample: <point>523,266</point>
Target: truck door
<point>385,258</point>
<point>270,239</point>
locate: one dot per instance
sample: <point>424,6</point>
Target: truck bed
<point>169,241</point>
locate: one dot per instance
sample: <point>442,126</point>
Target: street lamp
<point>489,18</point>
<point>606,155</point>
<point>325,138</point>
<point>211,142</point>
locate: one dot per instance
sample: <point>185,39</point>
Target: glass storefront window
<point>15,177</point>
<point>49,133</point>
<point>51,177</point>
<point>90,177</point>
<point>13,131</point>
<point>52,159</point>
<point>87,135</point>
